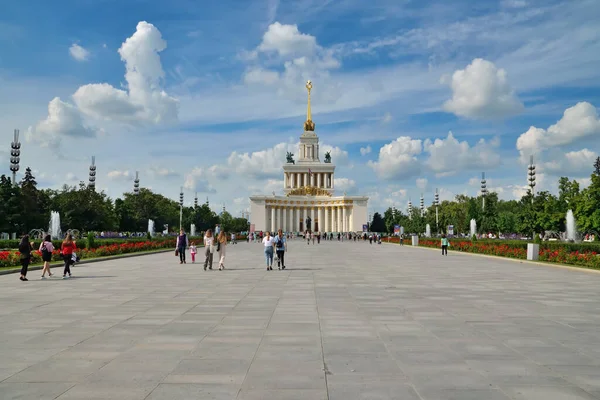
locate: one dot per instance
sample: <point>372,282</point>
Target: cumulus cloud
<point>397,160</point>
<point>78,52</point>
<point>63,119</point>
<point>578,122</point>
<point>160,172</point>
<point>448,156</point>
<point>481,90</point>
<point>119,175</point>
<point>365,150</point>
<point>421,183</point>
<point>344,184</point>
<point>196,180</point>
<point>571,163</point>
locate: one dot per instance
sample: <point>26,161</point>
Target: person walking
<point>25,248</point>
<point>209,249</point>
<point>67,249</point>
<point>221,245</point>
<point>445,244</point>
<point>281,248</point>
<point>182,244</point>
<point>193,251</point>
<point>46,248</point>
<point>268,243</point>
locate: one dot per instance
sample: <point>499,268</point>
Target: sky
<point>409,96</point>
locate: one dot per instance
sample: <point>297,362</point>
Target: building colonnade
<point>323,180</point>
<point>328,218</point>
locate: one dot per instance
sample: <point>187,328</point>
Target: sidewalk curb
<point>90,261</point>
<point>517,260</point>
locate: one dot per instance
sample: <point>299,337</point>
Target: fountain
<point>54,229</point>
<point>37,233</point>
<point>571,227</point>
<point>151,227</point>
<point>473,228</point>
<point>193,230</point>
<point>427,231</point>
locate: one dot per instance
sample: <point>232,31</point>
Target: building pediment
<point>309,191</point>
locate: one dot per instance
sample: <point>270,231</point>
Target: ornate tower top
<point>309,125</point>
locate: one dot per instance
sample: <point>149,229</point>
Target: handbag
<point>176,252</point>
<point>218,246</point>
<point>212,248</point>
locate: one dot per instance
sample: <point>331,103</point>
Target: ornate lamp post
<point>484,190</point>
<point>180,207</point>
<point>196,200</point>
<point>531,177</point>
<point>136,183</point>
<point>15,153</point>
<point>422,206</point>
<point>409,209</point>
<point>436,202</point>
<point>92,184</point>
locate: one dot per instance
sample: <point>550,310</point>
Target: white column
<point>312,218</point>
<point>331,180</point>
<point>280,218</point>
<point>306,179</point>
<point>320,218</point>
<point>345,218</point>
<point>351,228</point>
<point>273,219</point>
<point>339,219</point>
<point>319,179</point>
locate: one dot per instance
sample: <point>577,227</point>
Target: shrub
<point>90,244</point>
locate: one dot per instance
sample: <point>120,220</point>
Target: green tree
<point>11,210</point>
<point>377,224</point>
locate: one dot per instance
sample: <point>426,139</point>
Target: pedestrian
<point>67,249</point>
<point>221,245</point>
<point>445,244</point>
<point>193,251</point>
<point>25,248</point>
<point>46,248</point>
<point>268,244</point>
<point>182,244</point>
<point>281,248</point>
<point>209,249</point>
<point>307,235</point>
<point>233,238</point>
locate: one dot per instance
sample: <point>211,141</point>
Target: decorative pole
<point>92,184</point>
<point>436,201</point>
<point>196,200</point>
<point>531,177</point>
<point>181,208</point>
<point>15,153</point>
<point>484,190</point>
<point>422,206</point>
<point>136,183</point>
<point>409,209</point>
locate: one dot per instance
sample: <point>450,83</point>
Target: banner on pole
<point>450,229</point>
<point>396,230</point>
<point>365,228</point>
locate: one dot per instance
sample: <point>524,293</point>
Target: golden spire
<point>309,125</point>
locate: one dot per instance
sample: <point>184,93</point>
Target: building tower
<point>410,208</point>
<point>15,153</point>
<point>136,183</point>
<point>92,184</point>
<point>196,200</point>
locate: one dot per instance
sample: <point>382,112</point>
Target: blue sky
<point>211,96</point>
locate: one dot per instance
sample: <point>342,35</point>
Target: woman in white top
<point>209,242</point>
<point>268,242</point>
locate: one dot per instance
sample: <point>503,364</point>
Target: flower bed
<point>12,258</point>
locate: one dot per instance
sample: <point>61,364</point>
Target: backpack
<point>279,242</point>
<point>45,251</point>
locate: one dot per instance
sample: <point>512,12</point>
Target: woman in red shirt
<point>67,248</point>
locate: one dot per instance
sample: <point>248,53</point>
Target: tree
<point>34,204</point>
<point>377,224</point>
<point>10,207</point>
<point>597,166</point>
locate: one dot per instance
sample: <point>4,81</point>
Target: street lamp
<point>92,184</point>
<point>409,209</point>
<point>196,200</point>
<point>531,177</point>
<point>436,201</point>
<point>136,183</point>
<point>15,153</point>
<point>181,208</point>
<point>422,205</point>
<point>484,190</point>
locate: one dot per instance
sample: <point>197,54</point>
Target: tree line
<point>534,212</point>
<point>24,207</point>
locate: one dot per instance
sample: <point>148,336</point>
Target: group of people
<point>211,245</point>
<point>68,250</point>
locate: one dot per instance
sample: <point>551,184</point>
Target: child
<point>193,251</point>
<point>445,244</point>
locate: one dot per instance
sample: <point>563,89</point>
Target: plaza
<point>346,320</point>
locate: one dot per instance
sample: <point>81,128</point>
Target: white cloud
<point>365,150</point>
<point>344,184</point>
<point>261,164</point>
<point>339,157</point>
<point>421,183</point>
<point>399,193</point>
<point>119,175</point>
<point>287,40</point>
<point>481,90</point>
<point>513,3</point>
<point>578,122</point>
<point>449,156</point>
<point>160,172</point>
<point>261,75</point>
<point>196,180</point>
<point>63,119</point>
<point>144,101</point>
<point>397,160</point>
<point>269,186</point>
<point>571,163</point>
<point>78,52</point>
<point>387,118</point>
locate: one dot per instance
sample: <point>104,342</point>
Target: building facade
<point>308,201</point>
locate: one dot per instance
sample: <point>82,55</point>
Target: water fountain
<point>193,230</point>
<point>571,227</point>
<point>151,227</point>
<point>54,229</point>
<point>37,233</point>
<point>427,231</point>
<point>473,228</point>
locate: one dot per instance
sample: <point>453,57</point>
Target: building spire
<point>309,125</point>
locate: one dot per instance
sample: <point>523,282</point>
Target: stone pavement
<point>345,321</point>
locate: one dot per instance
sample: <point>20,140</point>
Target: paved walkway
<point>345,321</point>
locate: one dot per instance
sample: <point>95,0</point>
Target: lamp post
<point>181,208</point>
<point>484,190</point>
<point>92,183</point>
<point>15,153</point>
<point>196,200</point>
<point>436,201</point>
<point>409,209</point>
<point>531,177</point>
<point>136,183</point>
<point>422,205</point>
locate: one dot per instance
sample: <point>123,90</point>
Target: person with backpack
<point>46,248</point>
<point>281,248</point>
<point>67,249</point>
